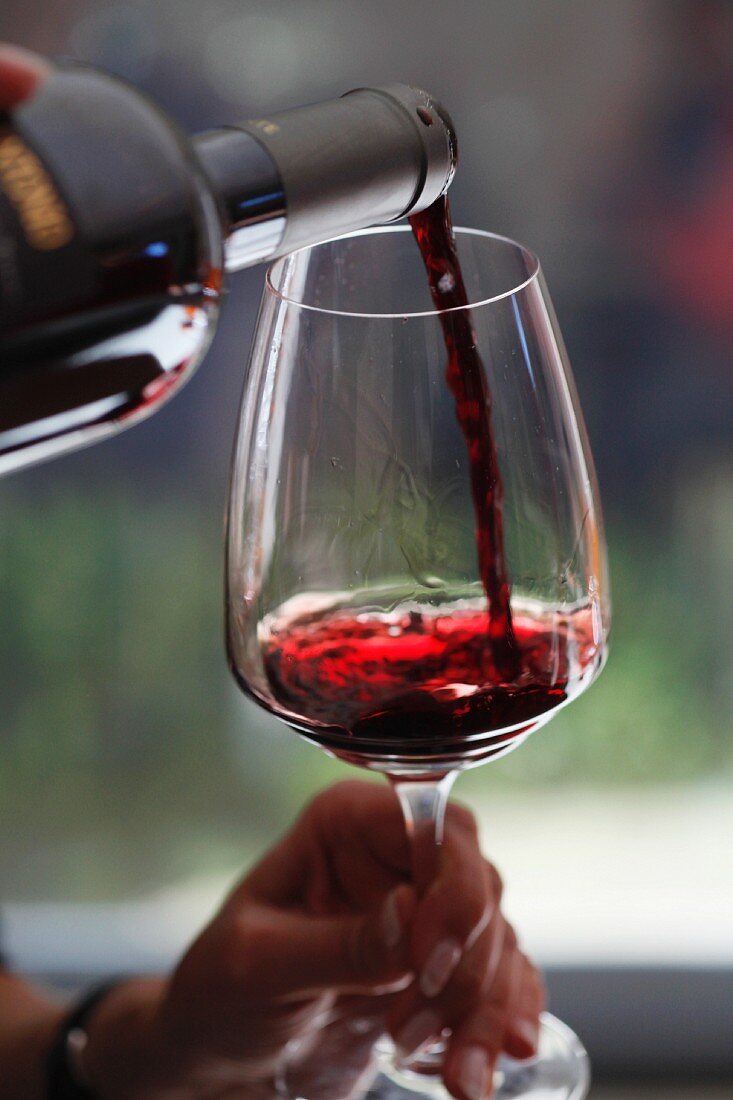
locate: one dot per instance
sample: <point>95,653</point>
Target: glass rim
<point>381,230</point>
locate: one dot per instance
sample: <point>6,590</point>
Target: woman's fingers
<point>474,973</point>
<point>458,906</point>
<point>490,1003</point>
<point>461,947</point>
<point>523,1023</point>
<point>476,1044</point>
<point>478,1038</point>
<point>485,973</point>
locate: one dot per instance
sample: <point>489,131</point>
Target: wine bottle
<point>116,230</point>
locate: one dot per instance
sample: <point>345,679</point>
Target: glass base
<point>560,1071</point>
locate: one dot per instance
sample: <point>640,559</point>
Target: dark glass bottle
<point>115,232</point>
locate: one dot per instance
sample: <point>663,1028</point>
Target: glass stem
<point>423,803</point>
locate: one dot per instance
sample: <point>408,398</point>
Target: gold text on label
<point>41,210</point>
<point>265,125</point>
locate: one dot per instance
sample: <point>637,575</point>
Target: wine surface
<point>419,681</point>
<point>466,378</point>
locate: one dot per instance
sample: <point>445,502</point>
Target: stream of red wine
<point>466,377</point>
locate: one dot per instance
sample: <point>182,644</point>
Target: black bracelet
<point>61,1081</point>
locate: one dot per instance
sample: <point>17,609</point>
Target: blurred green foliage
<point>128,758</point>
<point>114,689</point>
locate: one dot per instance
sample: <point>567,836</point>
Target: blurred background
<point>136,783</point>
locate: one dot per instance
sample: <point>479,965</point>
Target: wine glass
<point>357,611</point>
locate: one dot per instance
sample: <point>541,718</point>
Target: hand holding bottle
<point>116,230</point>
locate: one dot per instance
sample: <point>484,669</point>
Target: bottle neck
<point>309,174</point>
<point>247,183</point>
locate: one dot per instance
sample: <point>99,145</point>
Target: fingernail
<point>390,922</point>
<point>527,1031</point>
<point>473,1073</point>
<point>439,967</point>
<point>417,1031</point>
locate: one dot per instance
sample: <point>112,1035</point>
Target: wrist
<point>126,1053</point>
<point>134,1050</point>
<point>29,1050</point>
<point>29,1021</point>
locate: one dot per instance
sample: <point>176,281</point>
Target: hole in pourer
<point>424,115</point>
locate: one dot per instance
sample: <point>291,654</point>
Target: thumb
<point>21,72</point>
<point>345,953</point>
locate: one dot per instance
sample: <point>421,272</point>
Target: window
<point>135,783</point>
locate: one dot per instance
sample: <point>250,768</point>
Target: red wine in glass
<point>416,684</point>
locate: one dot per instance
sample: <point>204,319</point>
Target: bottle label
<point>41,253</point>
